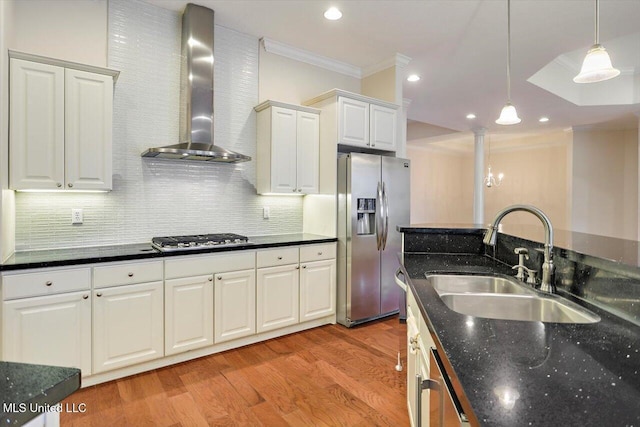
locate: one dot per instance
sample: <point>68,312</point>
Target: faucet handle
<point>531,276</point>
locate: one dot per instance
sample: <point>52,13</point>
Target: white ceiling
<point>458,47</point>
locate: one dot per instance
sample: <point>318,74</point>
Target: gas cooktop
<point>198,241</point>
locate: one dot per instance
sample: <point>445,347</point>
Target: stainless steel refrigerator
<point>373,197</point>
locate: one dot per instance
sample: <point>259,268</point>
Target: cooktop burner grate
<point>197,241</point>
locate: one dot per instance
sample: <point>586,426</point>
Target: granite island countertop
<point>29,390</point>
<point>516,373</point>
<point>94,254</point>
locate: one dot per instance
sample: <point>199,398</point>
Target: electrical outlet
<point>266,212</point>
<point>76,216</point>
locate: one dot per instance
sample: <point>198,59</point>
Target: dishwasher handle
<point>399,281</point>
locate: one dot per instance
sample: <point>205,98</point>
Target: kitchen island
<point>508,373</point>
<point>29,391</point>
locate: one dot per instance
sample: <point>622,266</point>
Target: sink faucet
<point>548,268</point>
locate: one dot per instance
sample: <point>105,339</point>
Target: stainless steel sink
<point>532,307</point>
<point>454,283</point>
<point>501,297</point>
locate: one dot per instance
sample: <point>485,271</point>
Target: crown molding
<point>311,58</point>
<point>398,60</point>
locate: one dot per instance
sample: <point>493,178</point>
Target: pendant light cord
<point>597,22</point>
<point>509,51</point>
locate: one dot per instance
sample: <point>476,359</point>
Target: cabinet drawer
<point>278,256</point>
<point>127,274</point>
<point>45,282</point>
<point>317,252</point>
<point>197,265</point>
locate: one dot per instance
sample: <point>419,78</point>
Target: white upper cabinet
<point>60,125</point>
<point>288,148</point>
<point>357,120</point>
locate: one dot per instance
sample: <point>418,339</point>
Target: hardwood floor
<point>327,376</point>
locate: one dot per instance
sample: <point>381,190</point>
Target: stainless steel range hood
<point>196,94</point>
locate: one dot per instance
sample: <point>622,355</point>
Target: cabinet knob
<point>85,296</point>
<point>219,277</point>
<point>58,184</point>
<point>373,145</point>
<point>304,266</point>
<point>99,294</point>
<point>299,190</point>
<point>297,267</point>
<point>279,258</point>
<point>130,274</point>
<point>49,283</point>
<point>210,279</point>
<point>70,185</point>
<point>320,253</point>
<point>294,190</point>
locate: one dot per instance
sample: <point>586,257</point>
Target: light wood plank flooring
<point>327,376</point>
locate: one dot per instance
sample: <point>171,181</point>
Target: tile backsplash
<point>163,197</point>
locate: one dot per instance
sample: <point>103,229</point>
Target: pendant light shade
<point>597,64</point>
<point>508,115</point>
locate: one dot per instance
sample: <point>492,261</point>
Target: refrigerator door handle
<point>379,225</point>
<point>385,203</point>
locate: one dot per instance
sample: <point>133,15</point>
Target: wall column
<point>478,176</point>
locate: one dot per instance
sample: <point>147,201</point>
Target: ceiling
<point>458,47</point>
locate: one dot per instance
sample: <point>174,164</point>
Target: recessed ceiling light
<point>471,116</point>
<point>333,14</point>
<point>413,78</point>
<point>543,119</point>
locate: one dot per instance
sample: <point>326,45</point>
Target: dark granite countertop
<point>29,390</point>
<point>93,254</point>
<point>516,373</point>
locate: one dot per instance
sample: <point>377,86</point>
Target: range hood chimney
<point>196,94</point>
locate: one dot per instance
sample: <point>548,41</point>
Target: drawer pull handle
<point>279,258</point>
<point>130,274</point>
<point>99,294</point>
<point>85,296</point>
<point>49,283</point>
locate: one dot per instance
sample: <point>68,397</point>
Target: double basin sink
<point>501,297</point>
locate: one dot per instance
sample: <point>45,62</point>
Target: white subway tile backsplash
<point>162,197</point>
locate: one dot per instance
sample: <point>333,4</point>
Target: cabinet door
<point>49,330</point>
<point>308,152</point>
<point>317,289</point>
<point>127,325</point>
<point>353,122</point>
<point>88,121</point>
<point>188,316</point>
<point>277,297</point>
<point>235,305</point>
<point>36,126</point>
<point>283,150</point>
<point>383,127</point>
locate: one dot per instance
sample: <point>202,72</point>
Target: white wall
<point>441,185</point>
<point>73,30</point>
<point>286,80</point>
<point>605,182</point>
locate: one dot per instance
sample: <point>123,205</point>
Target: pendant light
<point>508,115</point>
<point>597,64</point>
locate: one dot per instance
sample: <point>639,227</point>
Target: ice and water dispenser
<point>366,216</point>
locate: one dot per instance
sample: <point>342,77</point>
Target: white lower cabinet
<point>277,297</point>
<point>317,289</point>
<point>127,325</point>
<point>49,330</point>
<point>234,305</point>
<point>188,316</point>
<point>419,344</point>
